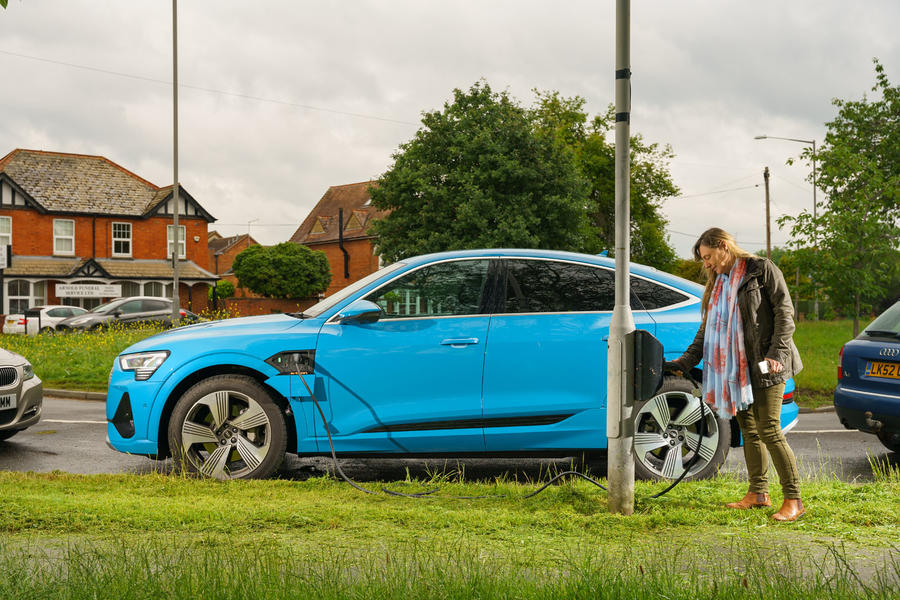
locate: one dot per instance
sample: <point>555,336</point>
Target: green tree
<point>224,289</point>
<point>651,183</point>
<point>855,234</point>
<point>286,270</point>
<point>689,269</point>
<point>478,175</point>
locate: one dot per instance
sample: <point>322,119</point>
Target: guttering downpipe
<point>341,243</point>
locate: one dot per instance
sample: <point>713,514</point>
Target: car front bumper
<point>29,405</point>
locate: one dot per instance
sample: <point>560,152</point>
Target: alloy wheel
<point>667,435</point>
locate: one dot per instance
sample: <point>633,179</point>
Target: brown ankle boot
<point>751,500</point>
<point>791,510</point>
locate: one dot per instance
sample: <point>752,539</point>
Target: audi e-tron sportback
<point>469,353</point>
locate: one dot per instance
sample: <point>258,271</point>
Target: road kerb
<point>75,395</point>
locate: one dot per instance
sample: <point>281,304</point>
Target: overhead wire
<point>209,90</point>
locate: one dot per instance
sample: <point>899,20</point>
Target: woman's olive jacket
<point>768,319</point>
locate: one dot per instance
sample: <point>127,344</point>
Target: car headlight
<point>27,371</point>
<point>144,364</point>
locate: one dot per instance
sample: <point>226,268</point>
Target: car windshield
<point>105,308</point>
<point>888,323</point>
<point>317,309</point>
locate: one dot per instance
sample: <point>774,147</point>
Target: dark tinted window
<point>150,305</point>
<point>127,308</point>
<point>652,295</point>
<point>444,289</point>
<point>59,312</point>
<point>550,286</point>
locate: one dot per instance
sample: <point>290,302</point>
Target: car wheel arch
<point>213,371</point>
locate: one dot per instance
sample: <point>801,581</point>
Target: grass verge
<point>157,535</point>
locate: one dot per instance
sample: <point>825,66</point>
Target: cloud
<point>707,78</point>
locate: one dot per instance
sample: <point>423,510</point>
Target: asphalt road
<point>71,437</point>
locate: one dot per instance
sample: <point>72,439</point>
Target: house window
<point>121,239</point>
<point>171,239</point>
<point>154,288</point>
<point>63,236</point>
<point>129,288</point>
<point>22,294</point>
<point>5,231</point>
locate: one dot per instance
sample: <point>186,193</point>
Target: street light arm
<point>775,137</point>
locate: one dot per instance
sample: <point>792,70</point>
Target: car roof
<point>604,261</point>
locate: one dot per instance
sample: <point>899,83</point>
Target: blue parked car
<point>867,396</point>
<point>469,353</point>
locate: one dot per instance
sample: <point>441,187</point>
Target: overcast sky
<point>281,99</point>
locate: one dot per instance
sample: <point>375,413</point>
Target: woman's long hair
<point>716,238</point>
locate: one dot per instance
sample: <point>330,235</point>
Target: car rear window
<point>652,295</point>
<point>888,321</point>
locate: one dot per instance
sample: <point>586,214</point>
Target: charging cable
<point>427,493</point>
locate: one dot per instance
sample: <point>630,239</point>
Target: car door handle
<point>459,342</point>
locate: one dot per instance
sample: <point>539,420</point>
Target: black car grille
<point>8,376</point>
<point>7,416</point>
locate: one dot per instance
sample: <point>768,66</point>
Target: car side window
<point>58,312</point>
<point>552,286</point>
<point>652,295</point>
<point>131,307</point>
<point>445,289</point>
<point>151,305</point>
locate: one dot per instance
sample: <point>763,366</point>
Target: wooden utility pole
<point>768,222</point>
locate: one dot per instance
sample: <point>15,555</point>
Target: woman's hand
<point>774,365</point>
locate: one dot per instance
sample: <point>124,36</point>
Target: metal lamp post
<point>813,144</point>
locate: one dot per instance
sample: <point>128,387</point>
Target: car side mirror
<point>117,314</point>
<point>361,311</point>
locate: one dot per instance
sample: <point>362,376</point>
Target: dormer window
<point>319,227</point>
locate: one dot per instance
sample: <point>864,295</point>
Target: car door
<point>128,313</point>
<point>545,365</point>
<point>411,381</point>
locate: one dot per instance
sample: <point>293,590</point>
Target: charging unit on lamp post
<point>648,364</point>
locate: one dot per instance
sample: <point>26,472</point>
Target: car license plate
<point>8,401</point>
<point>883,369</point>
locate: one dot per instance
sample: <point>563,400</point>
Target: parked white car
<point>45,318</point>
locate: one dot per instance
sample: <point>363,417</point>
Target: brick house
<point>337,226</point>
<point>73,218</point>
<point>223,250</point>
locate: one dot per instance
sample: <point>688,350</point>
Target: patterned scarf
<point>726,376</point>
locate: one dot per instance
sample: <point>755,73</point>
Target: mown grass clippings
<point>194,567</point>
<point>327,509</point>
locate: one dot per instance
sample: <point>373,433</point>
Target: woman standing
<point>746,344</point>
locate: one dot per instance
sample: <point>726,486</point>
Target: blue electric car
<point>469,353</point>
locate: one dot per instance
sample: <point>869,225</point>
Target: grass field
<point>81,361</point>
<point>170,536</point>
<point>819,344</point>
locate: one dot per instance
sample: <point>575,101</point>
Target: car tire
<point>887,438</point>
<point>666,430</point>
<point>228,427</point>
<point>5,435</point>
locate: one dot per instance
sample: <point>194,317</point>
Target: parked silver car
<point>21,394</point>
<point>126,312</point>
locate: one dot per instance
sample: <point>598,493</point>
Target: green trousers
<point>761,428</point>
